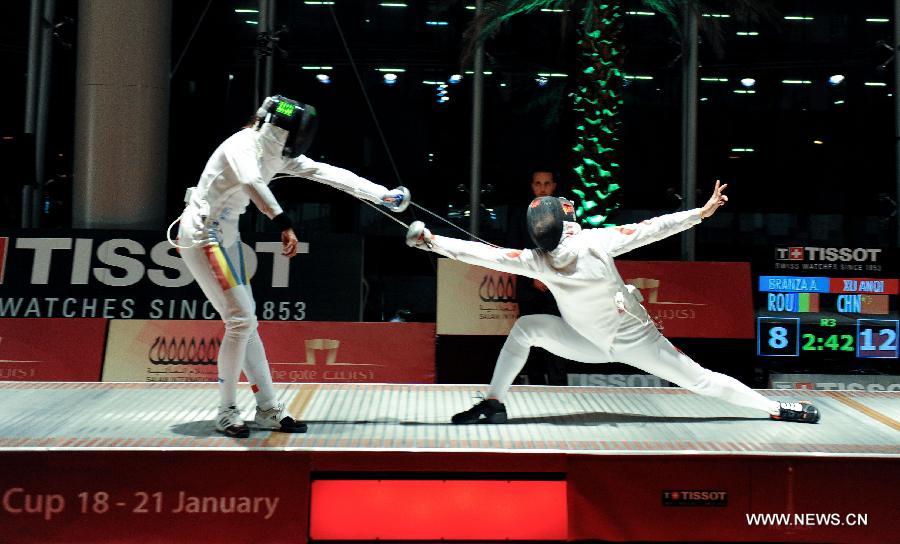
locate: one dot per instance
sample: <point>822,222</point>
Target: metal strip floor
<point>586,420</point>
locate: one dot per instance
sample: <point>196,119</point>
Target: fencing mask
<point>299,120</point>
<point>545,220</point>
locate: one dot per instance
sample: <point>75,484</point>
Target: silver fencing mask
<point>545,220</point>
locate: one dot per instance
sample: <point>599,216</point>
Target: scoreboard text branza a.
<point>827,316</point>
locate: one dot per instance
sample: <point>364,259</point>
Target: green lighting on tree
<point>596,102</point>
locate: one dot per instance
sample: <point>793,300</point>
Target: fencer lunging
<point>237,173</point>
<point>601,317</point>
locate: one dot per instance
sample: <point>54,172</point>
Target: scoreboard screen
<point>828,317</point>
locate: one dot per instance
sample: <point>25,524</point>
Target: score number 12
<point>877,338</point>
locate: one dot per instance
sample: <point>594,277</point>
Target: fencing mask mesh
<point>545,220</point>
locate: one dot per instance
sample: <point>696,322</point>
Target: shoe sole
<point>491,419</point>
<point>243,433</point>
<point>281,429</point>
<point>812,419</point>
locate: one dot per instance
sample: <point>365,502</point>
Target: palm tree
<point>596,95</point>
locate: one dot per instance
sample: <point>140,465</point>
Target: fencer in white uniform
<point>237,173</point>
<point>601,319</point>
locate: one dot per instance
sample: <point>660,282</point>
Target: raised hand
<point>717,199</point>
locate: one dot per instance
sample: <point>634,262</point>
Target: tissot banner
<point>185,351</point>
<point>138,275</point>
<point>51,350</point>
<point>836,382</point>
<point>695,299</point>
<point>472,300</point>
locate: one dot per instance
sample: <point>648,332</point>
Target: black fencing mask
<point>545,220</point>
<point>299,120</point>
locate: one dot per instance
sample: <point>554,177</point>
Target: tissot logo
<point>499,289</point>
<point>694,497</point>
<point>828,254</point>
<point>125,262</point>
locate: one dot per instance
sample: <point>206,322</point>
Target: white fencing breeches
<point>220,274</point>
<point>641,346</point>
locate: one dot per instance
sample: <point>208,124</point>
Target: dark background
<point>789,190</point>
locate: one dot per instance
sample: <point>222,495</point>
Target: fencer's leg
<point>653,353</point>
<point>236,309</point>
<point>240,325</point>
<point>541,330</point>
<point>545,331</point>
<point>270,414</point>
<point>256,366</point>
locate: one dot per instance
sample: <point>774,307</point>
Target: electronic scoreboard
<point>828,310</point>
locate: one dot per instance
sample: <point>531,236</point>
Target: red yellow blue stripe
<point>221,267</point>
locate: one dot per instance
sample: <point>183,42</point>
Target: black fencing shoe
<point>276,418</point>
<point>492,410</point>
<point>801,412</point>
<point>229,423</point>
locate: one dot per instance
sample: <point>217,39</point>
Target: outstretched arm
<point>513,261</point>
<point>338,178</point>
<point>347,181</point>
<point>619,240</point>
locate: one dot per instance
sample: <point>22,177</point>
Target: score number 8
<point>778,337</point>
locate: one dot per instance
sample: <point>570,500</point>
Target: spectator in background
<point>543,367</point>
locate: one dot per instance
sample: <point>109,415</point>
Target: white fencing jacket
<point>239,171</point>
<point>580,272</point>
